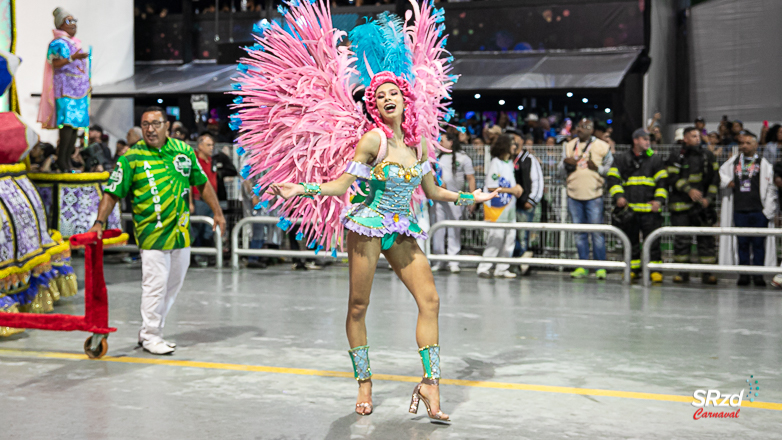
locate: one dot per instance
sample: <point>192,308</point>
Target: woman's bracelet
<point>465,198</point>
<point>310,189</point>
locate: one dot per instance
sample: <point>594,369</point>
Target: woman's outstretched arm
<point>366,150</point>
<point>441,194</point>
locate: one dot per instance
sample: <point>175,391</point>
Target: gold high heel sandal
<point>417,397</point>
<point>364,404</point>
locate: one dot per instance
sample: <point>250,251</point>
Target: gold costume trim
<point>64,177</point>
<point>30,265</point>
<point>43,302</point>
<point>58,249</point>
<point>13,168</point>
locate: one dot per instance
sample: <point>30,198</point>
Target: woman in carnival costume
<point>301,127</point>
<point>65,96</point>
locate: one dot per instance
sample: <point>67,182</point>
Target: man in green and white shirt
<point>157,173</point>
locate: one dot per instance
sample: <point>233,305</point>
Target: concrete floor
<point>544,330</point>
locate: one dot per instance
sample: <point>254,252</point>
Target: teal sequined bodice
<point>392,195</point>
<point>386,209</point>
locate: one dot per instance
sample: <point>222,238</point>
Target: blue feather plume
<point>381,45</point>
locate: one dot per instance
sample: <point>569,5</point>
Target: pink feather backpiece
<point>430,67</point>
<point>299,122</point>
<point>297,118</point>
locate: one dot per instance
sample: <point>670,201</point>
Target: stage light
<point>596,106</point>
<point>584,100</point>
<point>569,94</point>
<point>477,96</point>
<point>610,121</point>
<point>608,110</point>
<point>159,101</point>
<point>502,102</point>
<point>521,107</point>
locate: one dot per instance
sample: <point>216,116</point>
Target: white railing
<point>648,266</point>
<point>237,251</point>
<point>217,251</point>
<point>550,262</point>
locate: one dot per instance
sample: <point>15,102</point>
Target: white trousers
<point>162,275</point>
<point>447,211</point>
<point>499,243</point>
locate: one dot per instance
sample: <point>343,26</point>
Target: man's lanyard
<point>576,154</point>
<point>751,168</point>
<point>582,158</point>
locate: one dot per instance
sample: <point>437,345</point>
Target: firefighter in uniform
<point>694,179</point>
<point>637,183</point>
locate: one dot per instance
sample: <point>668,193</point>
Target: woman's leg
<point>412,267</point>
<point>363,253</point>
<point>66,148</point>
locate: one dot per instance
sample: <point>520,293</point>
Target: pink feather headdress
<point>410,118</point>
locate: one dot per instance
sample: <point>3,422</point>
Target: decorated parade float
<point>35,257</point>
<point>35,269</point>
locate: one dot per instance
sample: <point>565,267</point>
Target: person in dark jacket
<point>637,183</point>
<point>529,175</point>
<point>224,167</point>
<point>693,176</point>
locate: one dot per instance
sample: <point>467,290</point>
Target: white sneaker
<point>311,265</point>
<point>436,267</point>
<point>141,341</point>
<point>484,274</point>
<point>455,269</point>
<point>504,274</point>
<point>525,267</point>
<point>157,347</point>
<point>777,281</point>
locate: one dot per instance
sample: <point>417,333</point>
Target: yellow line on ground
<point>389,377</point>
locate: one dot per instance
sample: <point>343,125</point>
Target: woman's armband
<point>310,189</point>
<point>465,198</point>
<point>358,169</point>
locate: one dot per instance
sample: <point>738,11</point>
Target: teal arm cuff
<point>464,199</point>
<point>310,189</point>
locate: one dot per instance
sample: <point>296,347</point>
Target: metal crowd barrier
<point>694,231</point>
<point>551,262</point>
<point>236,251</point>
<point>217,251</point>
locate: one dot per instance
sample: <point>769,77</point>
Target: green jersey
<point>159,181</point>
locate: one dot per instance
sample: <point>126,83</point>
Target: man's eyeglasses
<point>71,21</point>
<point>153,124</point>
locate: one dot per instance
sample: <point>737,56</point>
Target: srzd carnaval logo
<point>704,398</point>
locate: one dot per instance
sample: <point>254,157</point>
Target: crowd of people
<point>89,155</point>
<point>640,184</point>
